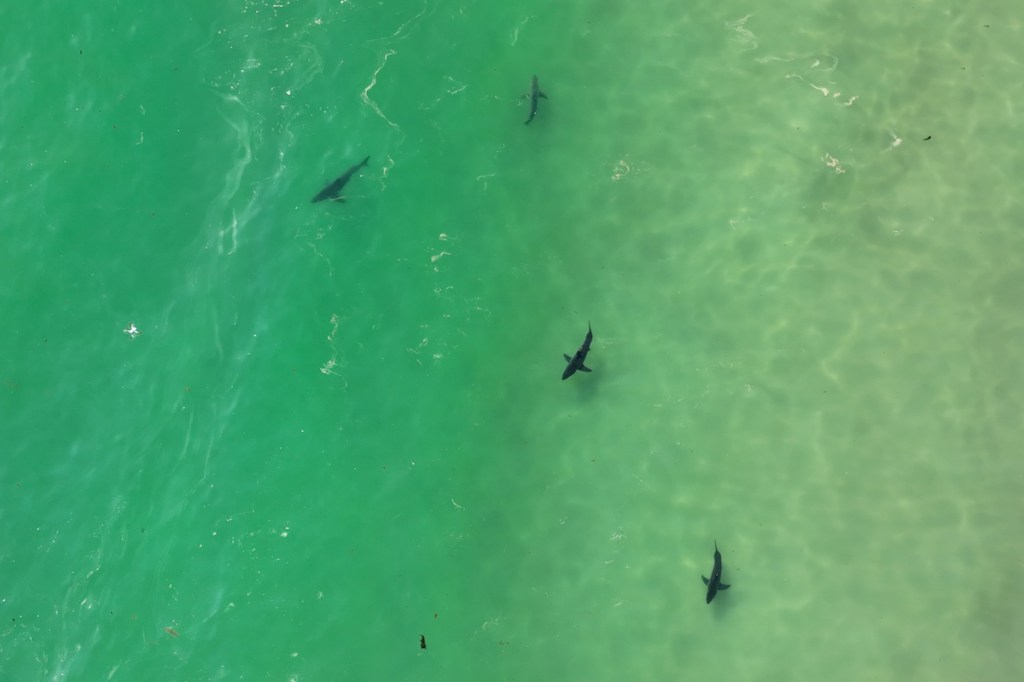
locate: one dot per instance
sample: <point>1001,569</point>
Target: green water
<point>796,232</point>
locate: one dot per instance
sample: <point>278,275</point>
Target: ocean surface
<point>244,436</point>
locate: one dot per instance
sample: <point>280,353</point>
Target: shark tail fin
<point>704,579</point>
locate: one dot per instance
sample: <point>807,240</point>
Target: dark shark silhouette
<point>715,583</point>
<point>535,94</point>
<point>333,190</point>
<point>576,361</point>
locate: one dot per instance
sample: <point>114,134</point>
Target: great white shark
<point>535,94</point>
<point>333,190</point>
<point>715,583</point>
<point>576,361</point>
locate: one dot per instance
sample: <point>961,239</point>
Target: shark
<point>576,361</point>
<point>333,190</point>
<point>715,582</point>
<point>535,94</point>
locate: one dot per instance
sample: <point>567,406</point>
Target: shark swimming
<point>535,94</point>
<point>333,190</point>
<point>576,361</point>
<point>715,582</point>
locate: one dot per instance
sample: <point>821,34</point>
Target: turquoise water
<point>795,231</point>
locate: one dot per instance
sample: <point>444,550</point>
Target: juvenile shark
<point>333,190</point>
<point>576,361</point>
<point>535,94</point>
<point>715,584</point>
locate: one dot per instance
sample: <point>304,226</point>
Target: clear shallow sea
<point>796,232</point>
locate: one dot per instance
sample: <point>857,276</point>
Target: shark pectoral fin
<point>584,368</point>
<point>541,94</point>
<point>723,586</point>
<point>704,579</point>
<point>567,358</point>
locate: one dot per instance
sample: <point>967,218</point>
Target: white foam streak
<point>365,96</point>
